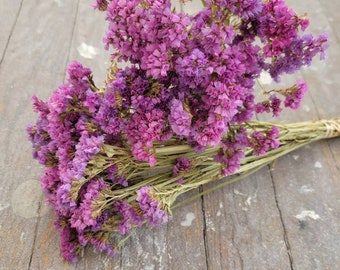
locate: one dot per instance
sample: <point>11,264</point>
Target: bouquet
<point>179,115</point>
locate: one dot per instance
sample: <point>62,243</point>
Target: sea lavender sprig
<point>199,71</point>
<point>178,117</point>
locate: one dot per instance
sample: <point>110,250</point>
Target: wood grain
<point>243,226</point>
<point>34,63</point>
<point>9,13</point>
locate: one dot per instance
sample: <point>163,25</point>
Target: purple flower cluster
<point>292,99</point>
<point>128,215</point>
<point>182,166</point>
<point>71,129</point>
<point>262,142</point>
<point>232,151</point>
<point>294,95</point>
<point>193,76</point>
<point>150,207</point>
<point>191,79</point>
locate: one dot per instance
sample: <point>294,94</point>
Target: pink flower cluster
<point>194,76</point>
<point>191,79</point>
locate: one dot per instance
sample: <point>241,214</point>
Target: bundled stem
<point>206,170</point>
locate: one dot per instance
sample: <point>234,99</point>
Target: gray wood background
<point>284,217</point>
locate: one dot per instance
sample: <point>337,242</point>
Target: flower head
<point>151,209</point>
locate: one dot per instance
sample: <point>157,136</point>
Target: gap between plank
<point>285,237</point>
<point>11,33</point>
<point>35,232</point>
<point>41,200</point>
<point>206,250</point>
<point>71,45</point>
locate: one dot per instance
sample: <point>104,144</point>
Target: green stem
<point>232,180</point>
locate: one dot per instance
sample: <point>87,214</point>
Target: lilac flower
<point>150,207</point>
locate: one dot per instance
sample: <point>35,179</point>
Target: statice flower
<point>49,183</point>
<point>143,129</point>
<point>112,174</point>
<point>92,100</point>
<point>244,8</point>
<point>273,104</point>
<point>193,70</point>
<point>179,118</point>
<point>279,25</point>
<point>82,216</point>
<point>181,167</point>
<point>294,95</point>
<point>69,247</point>
<point>190,83</point>
<point>103,244</point>
<point>87,147</point>
<point>100,4</point>
<point>262,142</point>
<point>128,215</point>
<point>151,209</point>
<point>300,52</point>
<point>232,151</point>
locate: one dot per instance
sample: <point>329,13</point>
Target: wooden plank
<point>30,66</point>
<point>9,12</point>
<point>87,43</point>
<point>280,219</point>
<point>178,245</point>
<point>330,8</point>
<point>192,6</point>
<point>149,248</point>
<point>295,193</point>
<point>307,182</point>
<point>243,226</point>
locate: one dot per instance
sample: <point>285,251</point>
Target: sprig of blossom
<point>190,85</point>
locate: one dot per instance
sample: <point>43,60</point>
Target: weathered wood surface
<point>283,217</point>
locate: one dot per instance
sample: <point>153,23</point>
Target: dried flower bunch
<point>179,116</point>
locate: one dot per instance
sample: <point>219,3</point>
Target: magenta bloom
<point>179,119</point>
<point>294,98</point>
<point>150,207</point>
